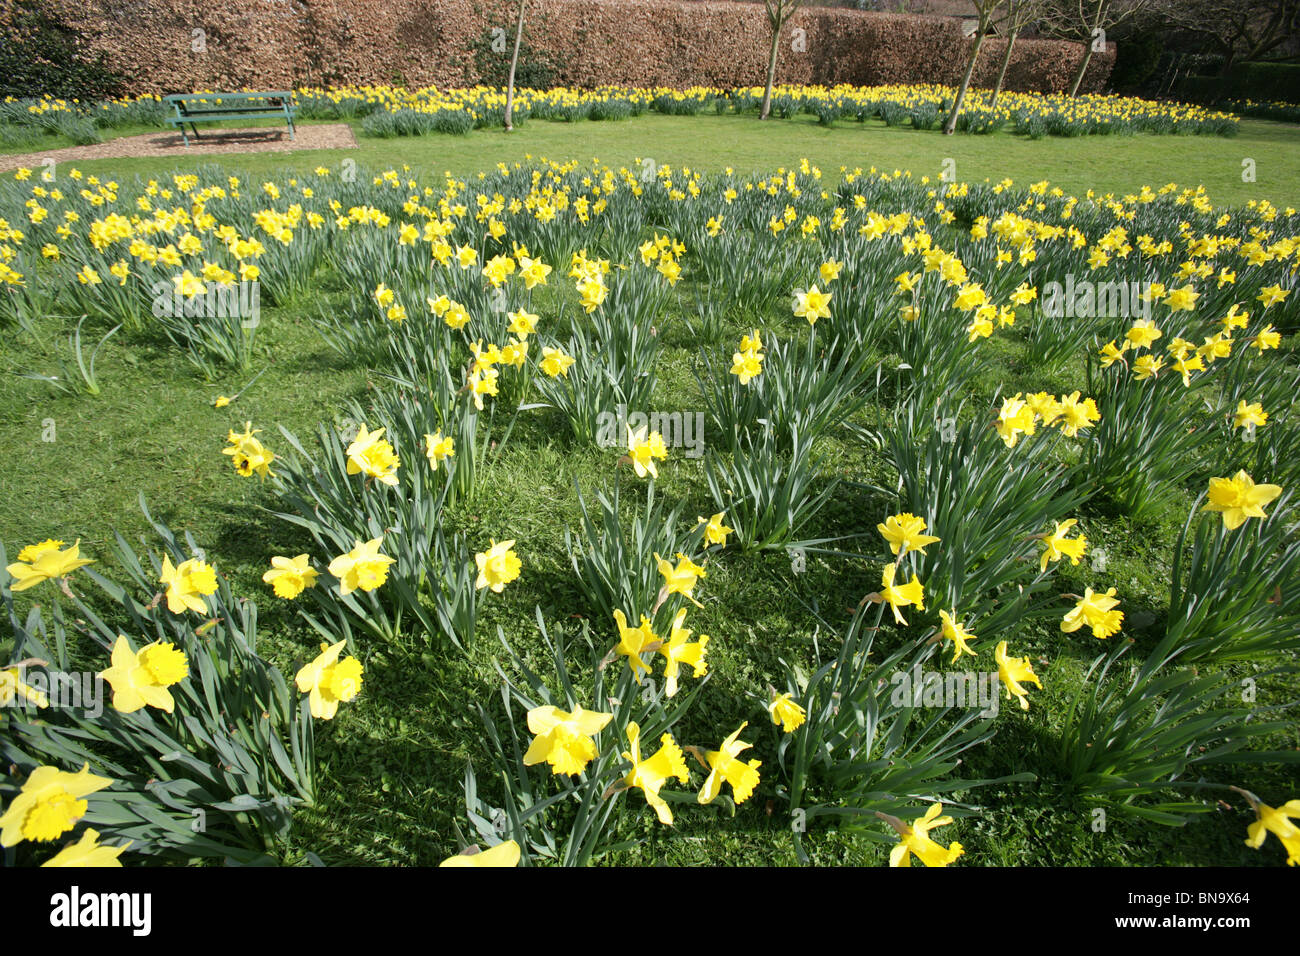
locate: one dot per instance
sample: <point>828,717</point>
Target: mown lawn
<point>1116,164</point>
<point>392,763</point>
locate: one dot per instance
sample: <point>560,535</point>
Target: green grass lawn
<point>1118,164</point>
<point>392,763</point>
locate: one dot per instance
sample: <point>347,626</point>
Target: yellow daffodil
<point>497,566</point>
<point>678,651</point>
<point>904,534</point>
<point>533,272</point>
<point>438,449</point>
<point>1239,498</point>
<point>456,316</point>
<point>812,305</point>
<point>371,455</point>
<point>1277,822</point>
<point>1147,366</point>
<point>49,804</point>
<point>248,454</point>
<point>643,449</point>
<point>1097,612</point>
<point>498,268</point>
<point>725,766</point>
<point>635,641</point>
<point>1249,415</point>
<point>952,631</point>
<point>1272,294</point>
<point>1142,334</point>
<point>363,568</point>
<point>289,577</point>
<point>1014,670</point>
<point>555,363</point>
<point>715,532</point>
<point>906,282</point>
<point>483,383</point>
<point>896,596</point>
<point>503,854</point>
<point>1183,299</point>
<point>746,366</point>
<point>1044,406</point>
<point>1024,294</point>
<point>914,839</point>
<point>1185,366</point>
<point>522,323</point>
<point>329,681</point>
<point>1057,546</point>
<point>669,269</point>
<point>188,584</point>
<point>514,353</point>
<point>1234,318</point>
<point>564,740</point>
<point>970,296</point>
<point>142,679</point>
<point>1110,354</point>
<point>593,292</point>
<point>13,690</point>
<point>682,578</point>
<point>1267,339</point>
<point>785,711</point>
<point>88,852</point>
<point>653,772</point>
<point>43,562</point>
<point>1015,418</point>
<point>1077,414</point>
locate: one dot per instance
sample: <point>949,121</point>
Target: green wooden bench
<point>192,108</point>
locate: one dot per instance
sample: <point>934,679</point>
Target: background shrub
<point>42,55</point>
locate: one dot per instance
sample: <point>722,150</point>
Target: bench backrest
<point>212,104</point>
<point>218,99</point>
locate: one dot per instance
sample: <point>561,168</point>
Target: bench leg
<point>195,127</point>
<point>291,129</point>
<point>184,135</point>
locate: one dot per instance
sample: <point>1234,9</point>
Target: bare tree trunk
<point>514,62</point>
<point>771,71</point>
<point>950,125</point>
<point>1002,73</point>
<point>1083,68</point>
<point>1171,75</point>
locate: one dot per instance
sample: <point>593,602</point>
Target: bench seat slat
<point>175,120</point>
<point>212,114</point>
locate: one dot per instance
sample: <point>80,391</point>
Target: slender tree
<point>986,12</point>
<point>1086,21</point>
<point>779,13</point>
<point>514,62</point>
<point>1020,13</point>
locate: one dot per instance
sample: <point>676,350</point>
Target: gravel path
<point>169,143</point>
